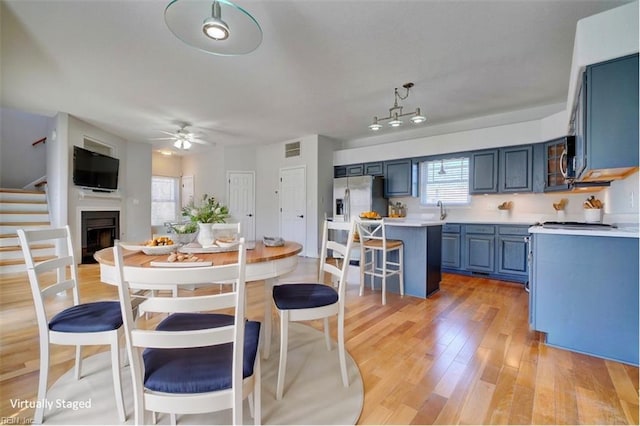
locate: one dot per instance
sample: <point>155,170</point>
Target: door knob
<point>300,216</point>
<point>250,215</point>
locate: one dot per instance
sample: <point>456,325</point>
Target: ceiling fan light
<point>186,144</point>
<point>418,118</point>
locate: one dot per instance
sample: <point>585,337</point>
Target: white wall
<point>18,130</point>
<point>208,171</point>
<point>269,160</point>
<point>58,163</point>
<point>607,35</point>
<point>166,165</point>
<point>137,192</point>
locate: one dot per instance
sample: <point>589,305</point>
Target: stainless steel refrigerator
<point>357,194</point>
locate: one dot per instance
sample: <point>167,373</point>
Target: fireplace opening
<point>99,229</point>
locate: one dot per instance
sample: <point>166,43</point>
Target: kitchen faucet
<point>442,212</point>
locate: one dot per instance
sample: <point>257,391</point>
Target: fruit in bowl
<point>370,215</point>
<point>159,241</point>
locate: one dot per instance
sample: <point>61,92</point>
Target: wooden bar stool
<point>374,255</point>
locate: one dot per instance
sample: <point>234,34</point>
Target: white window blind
<point>164,200</point>
<point>445,180</point>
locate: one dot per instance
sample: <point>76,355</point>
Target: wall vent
<point>292,149</point>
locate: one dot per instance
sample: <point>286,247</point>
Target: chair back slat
<point>332,269</point>
<point>158,277</point>
<point>56,288</point>
<point>343,249</point>
<point>189,304</point>
<point>182,339</point>
<point>371,229</point>
<point>63,264</point>
<point>52,264</point>
<point>336,247</point>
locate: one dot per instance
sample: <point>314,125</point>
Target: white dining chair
<point>310,301</point>
<point>95,323</point>
<point>375,248</point>
<point>197,359</point>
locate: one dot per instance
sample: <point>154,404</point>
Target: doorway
<point>242,201</point>
<point>293,202</point>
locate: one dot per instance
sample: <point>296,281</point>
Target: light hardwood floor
<point>464,356</point>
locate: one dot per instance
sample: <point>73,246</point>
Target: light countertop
<point>622,231</point>
<point>412,222</point>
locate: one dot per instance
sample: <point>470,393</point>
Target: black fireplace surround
<point>98,229</point>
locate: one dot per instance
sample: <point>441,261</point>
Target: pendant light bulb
<point>375,126</point>
<point>214,27</point>
<point>418,118</point>
<point>396,122</point>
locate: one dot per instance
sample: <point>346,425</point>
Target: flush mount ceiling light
<point>219,26</point>
<point>395,112</point>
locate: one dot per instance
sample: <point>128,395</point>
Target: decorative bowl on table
<point>154,247</point>
<point>273,241</point>
<point>227,243</point>
<point>185,238</point>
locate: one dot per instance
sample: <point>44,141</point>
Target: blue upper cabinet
<point>483,172</point>
<point>611,128</point>
<point>374,169</point>
<point>555,162</point>
<point>397,178</point>
<point>355,170</point>
<point>516,173</point>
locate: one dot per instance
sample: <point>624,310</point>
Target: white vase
<point>205,234</point>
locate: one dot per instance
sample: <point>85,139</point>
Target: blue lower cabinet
<point>585,294</point>
<point>496,251</point>
<point>451,251</point>
<point>512,251</point>
<point>479,252</point>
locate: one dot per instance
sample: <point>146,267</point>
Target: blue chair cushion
<point>88,318</point>
<point>197,370</point>
<point>302,296</point>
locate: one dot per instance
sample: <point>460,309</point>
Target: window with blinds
<point>164,200</point>
<point>445,180</point>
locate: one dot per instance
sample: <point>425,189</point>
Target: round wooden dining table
<point>264,263</point>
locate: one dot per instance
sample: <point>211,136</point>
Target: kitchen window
<point>164,200</point>
<point>445,180</point>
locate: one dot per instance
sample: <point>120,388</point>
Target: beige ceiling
<point>324,67</point>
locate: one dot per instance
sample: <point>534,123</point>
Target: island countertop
<point>411,222</point>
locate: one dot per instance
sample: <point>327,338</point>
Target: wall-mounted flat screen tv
<point>95,170</point>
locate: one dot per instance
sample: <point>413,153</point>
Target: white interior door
<point>186,193</point>
<point>293,201</point>
<point>242,201</point>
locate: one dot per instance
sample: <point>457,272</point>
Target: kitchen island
<point>584,290</point>
<point>422,241</point>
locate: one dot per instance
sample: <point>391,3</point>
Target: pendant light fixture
<point>214,27</point>
<point>395,112</point>
<point>219,26</point>
<point>442,170</point>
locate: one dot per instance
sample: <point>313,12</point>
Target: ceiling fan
<point>182,138</point>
